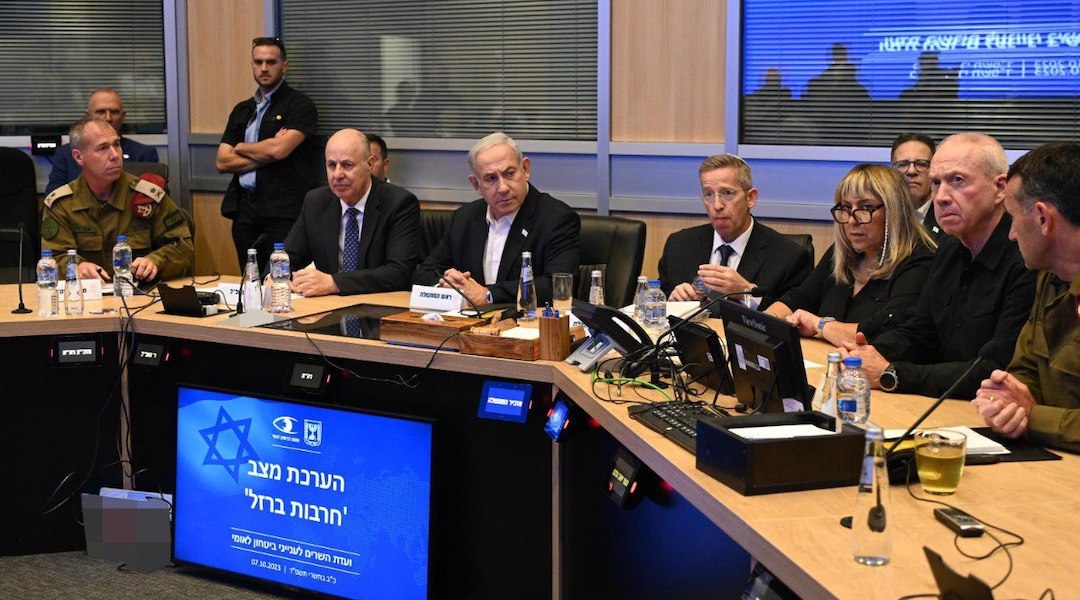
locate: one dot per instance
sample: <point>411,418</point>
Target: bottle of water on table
<point>853,392</point>
<point>73,296</point>
<point>48,300</point>
<point>280,274</point>
<point>123,285</point>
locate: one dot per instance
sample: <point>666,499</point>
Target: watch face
<point>888,380</point>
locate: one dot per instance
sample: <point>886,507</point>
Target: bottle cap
<point>121,238</point>
<point>279,245</point>
<point>834,357</point>
<point>71,252</point>
<point>654,283</point>
<point>46,252</point>
<point>642,279</point>
<point>596,273</point>
<point>526,254</point>
<point>252,252</point>
<point>853,362</point>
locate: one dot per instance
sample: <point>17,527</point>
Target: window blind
<point>53,53</point>
<point>448,68</point>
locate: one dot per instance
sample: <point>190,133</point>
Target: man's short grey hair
<point>78,130</point>
<point>490,141</point>
<point>990,157</point>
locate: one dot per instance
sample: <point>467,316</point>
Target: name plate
<point>430,297</point>
<point>91,288</point>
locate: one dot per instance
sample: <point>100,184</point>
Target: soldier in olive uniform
<point>88,213</point>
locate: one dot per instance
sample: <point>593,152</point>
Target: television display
<point>329,500</point>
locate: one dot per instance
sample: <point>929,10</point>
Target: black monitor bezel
<point>790,370</point>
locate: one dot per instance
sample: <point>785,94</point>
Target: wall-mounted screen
<point>324,499</point>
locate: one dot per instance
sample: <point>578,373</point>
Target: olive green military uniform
<point>75,218</point>
<point>1047,360</point>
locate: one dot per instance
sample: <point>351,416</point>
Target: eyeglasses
<point>920,165</point>
<point>843,214</point>
<point>709,196</point>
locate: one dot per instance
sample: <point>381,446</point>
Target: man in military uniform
<point>88,213</point>
<point>1039,395</point>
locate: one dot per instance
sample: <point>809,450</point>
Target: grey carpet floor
<point>73,575</point>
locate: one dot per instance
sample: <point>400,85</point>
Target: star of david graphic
<point>244,451</point>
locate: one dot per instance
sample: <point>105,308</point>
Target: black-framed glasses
<point>842,214</point>
<point>921,165</point>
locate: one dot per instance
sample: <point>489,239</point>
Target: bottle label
<point>846,404</point>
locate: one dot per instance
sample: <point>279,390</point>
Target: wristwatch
<point>888,379</point>
<point>821,325</point>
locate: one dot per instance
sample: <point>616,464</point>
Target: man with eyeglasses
<point>978,293</point>
<point>911,154</point>
<point>733,251</point>
<point>104,103</point>
<point>268,146</point>
<point>480,253</point>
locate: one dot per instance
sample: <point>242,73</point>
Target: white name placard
<point>429,297</point>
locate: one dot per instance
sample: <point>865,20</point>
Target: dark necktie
<point>725,254</point>
<point>350,253</point>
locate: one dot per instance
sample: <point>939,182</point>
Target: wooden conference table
<point>796,535</point>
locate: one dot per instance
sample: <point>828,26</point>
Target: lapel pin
<point>524,233</point>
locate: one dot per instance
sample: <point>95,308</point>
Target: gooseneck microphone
<point>479,314</point>
<point>21,231</point>
<point>937,403</point>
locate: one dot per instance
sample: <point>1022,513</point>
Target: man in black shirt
<point>268,145</point>
<point>978,293</point>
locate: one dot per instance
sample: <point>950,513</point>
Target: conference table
<point>796,535</point>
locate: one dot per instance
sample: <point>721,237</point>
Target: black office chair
<point>433,225</point>
<point>616,247</point>
<point>18,204</point>
<point>157,168</point>
<point>806,242</point>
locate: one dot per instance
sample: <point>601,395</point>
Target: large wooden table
<point>796,535</point>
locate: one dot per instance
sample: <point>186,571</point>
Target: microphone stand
<point>479,313</point>
<point>21,310</point>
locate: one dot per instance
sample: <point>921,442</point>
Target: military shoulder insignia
<point>150,189</point>
<point>60,192</point>
<point>49,228</point>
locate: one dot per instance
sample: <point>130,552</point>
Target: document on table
<point>780,432</point>
<point>977,443</point>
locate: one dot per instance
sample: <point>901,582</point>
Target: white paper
<point>780,432</point>
<point>977,443</point>
<point>521,333</point>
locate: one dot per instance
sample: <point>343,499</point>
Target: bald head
<point>348,165</point>
<point>105,103</point>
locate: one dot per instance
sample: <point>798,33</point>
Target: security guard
<point>88,213</point>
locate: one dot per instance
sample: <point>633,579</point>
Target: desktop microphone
<point>479,313</point>
<point>21,231</point>
<point>898,462</point>
<point>244,276</point>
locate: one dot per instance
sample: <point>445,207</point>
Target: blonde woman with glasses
<point>874,270</point>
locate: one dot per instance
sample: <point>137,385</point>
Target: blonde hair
<point>903,231</point>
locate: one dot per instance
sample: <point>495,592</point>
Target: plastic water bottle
<point>640,296</point>
<point>123,287</point>
<point>280,274</point>
<point>253,294</point>
<point>596,290</point>
<point>873,539</point>
<point>48,300</point>
<point>853,392</point>
<point>656,306</point>
<point>527,289</point>
<point>73,296</point>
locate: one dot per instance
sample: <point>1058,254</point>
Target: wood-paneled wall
<point>219,58</point>
<point>667,70</point>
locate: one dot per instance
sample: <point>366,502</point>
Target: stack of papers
<point>976,442</point>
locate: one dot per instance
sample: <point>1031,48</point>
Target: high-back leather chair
<point>806,242</point>
<point>18,204</point>
<point>616,247</point>
<point>433,224</point>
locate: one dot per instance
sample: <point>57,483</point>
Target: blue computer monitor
<point>320,498</point>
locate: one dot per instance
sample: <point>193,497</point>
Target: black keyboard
<point>677,420</point>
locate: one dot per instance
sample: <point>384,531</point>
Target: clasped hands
<point>472,289</point>
<point>722,280</point>
<point>142,269</point>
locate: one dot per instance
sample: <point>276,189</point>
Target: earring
<point>884,246</point>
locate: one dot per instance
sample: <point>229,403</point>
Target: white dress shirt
<point>739,246</point>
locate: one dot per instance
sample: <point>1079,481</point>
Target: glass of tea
<point>939,458</point>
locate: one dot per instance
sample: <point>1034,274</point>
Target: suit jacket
<point>544,226</point>
<point>389,239</point>
<point>771,261</point>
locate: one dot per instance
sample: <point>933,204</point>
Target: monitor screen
<point>324,499</point>
<point>765,354</point>
<point>359,321</point>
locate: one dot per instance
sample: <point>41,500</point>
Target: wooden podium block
<point>554,338</point>
<point>409,328</point>
<point>485,344</point>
